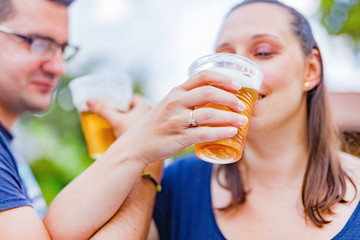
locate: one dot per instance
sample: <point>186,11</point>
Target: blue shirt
<point>183,207</point>
<point>18,186</point>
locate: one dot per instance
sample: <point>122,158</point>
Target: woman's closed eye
<point>263,54</point>
<point>264,51</point>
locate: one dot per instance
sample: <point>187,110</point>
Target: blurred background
<point>155,42</point>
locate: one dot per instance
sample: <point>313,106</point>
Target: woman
<point>292,181</point>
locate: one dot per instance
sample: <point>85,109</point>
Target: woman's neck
<point>277,158</point>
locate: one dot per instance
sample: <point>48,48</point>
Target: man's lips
<point>45,85</point>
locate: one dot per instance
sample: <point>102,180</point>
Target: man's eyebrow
<point>47,38</point>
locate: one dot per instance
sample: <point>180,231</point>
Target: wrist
<point>147,175</point>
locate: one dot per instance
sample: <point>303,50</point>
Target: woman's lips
<point>260,98</point>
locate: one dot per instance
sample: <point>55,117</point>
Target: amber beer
<point>115,91</point>
<point>98,133</point>
<point>229,150</point>
<point>249,76</point>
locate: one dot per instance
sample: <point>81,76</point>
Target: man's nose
<point>55,65</point>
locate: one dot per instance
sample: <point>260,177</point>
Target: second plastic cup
<point>116,91</point>
<point>250,77</point>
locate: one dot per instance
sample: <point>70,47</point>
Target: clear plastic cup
<point>116,91</point>
<point>249,76</point>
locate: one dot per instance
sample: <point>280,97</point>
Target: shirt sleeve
<point>12,192</point>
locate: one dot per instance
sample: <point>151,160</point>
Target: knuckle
<point>175,91</point>
<point>207,92</point>
<point>208,114</point>
<point>204,74</point>
<point>171,101</point>
<point>234,98</point>
<point>202,136</point>
<point>172,124</point>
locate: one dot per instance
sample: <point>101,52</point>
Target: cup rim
<point>105,78</point>
<point>223,57</point>
<point>80,93</point>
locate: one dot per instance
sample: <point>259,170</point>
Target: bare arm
<point>136,211</point>
<point>93,198</point>
<point>16,223</point>
<point>81,208</point>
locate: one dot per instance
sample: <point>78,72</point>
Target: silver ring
<point>191,121</point>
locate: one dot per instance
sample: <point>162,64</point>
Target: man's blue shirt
<point>18,186</point>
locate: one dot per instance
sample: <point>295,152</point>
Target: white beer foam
<point>118,105</point>
<point>115,90</point>
<point>243,78</point>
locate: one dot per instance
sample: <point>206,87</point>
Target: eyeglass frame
<point>50,52</point>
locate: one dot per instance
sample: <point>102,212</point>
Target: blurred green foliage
<point>342,17</point>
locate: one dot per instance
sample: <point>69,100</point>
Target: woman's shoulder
<point>351,164</point>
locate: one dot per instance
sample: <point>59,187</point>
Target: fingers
<point>210,134</point>
<point>101,108</point>
<point>209,94</point>
<point>212,78</point>
<point>210,87</point>
<point>214,117</point>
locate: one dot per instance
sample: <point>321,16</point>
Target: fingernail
<point>232,131</point>
<point>236,84</point>
<point>90,102</point>
<point>243,120</point>
<point>242,106</point>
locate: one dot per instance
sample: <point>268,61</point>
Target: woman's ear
<point>313,70</point>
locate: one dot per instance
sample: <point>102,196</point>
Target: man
<point>33,47</point>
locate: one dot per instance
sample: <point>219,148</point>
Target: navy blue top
<point>18,186</point>
<point>183,207</point>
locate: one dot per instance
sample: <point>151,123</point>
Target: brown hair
<point>7,9</point>
<point>324,182</point>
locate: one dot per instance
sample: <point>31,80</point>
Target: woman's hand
<point>164,130</point>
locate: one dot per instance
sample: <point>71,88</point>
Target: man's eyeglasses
<point>44,47</point>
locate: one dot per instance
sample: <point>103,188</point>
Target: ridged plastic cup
<point>116,91</point>
<point>249,76</point>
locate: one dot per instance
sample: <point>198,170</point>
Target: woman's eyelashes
<point>264,51</point>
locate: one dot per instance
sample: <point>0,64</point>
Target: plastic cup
<point>116,91</point>
<point>250,77</point>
